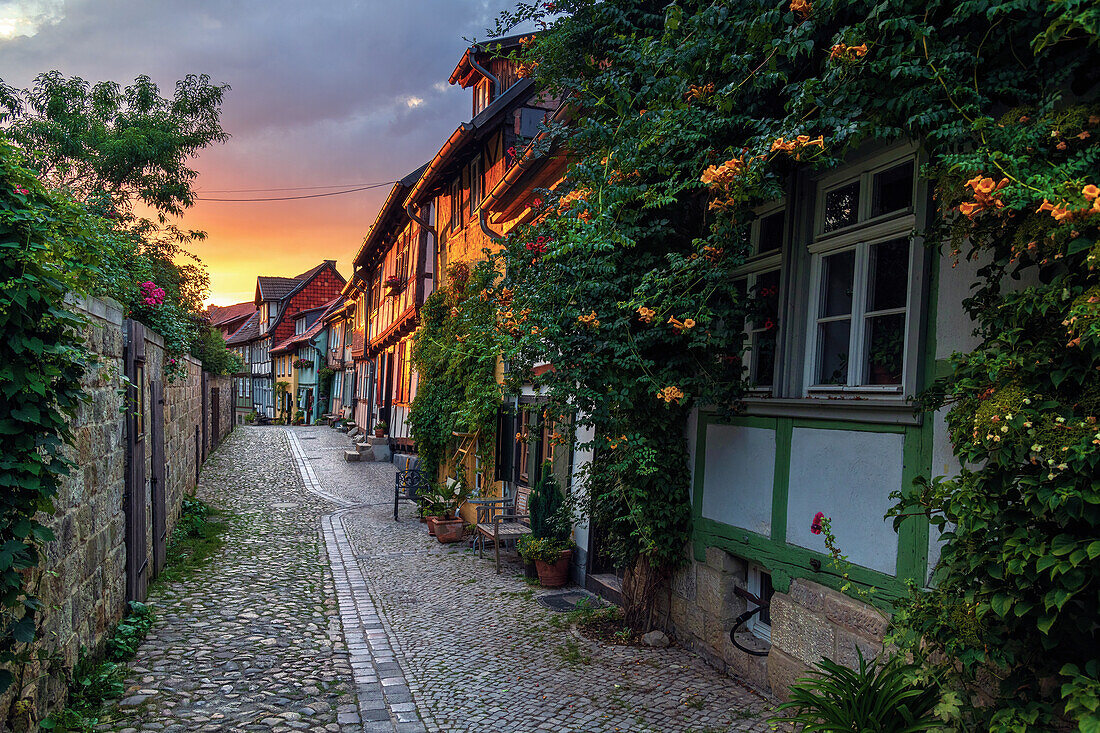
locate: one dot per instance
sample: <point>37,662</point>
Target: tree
<point>102,141</point>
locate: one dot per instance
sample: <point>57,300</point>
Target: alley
<point>435,640</point>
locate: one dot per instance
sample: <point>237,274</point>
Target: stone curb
<point>385,700</point>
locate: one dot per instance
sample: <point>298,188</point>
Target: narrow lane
<point>252,641</point>
<point>476,652</point>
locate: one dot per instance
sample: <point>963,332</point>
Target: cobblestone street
<point>435,640</point>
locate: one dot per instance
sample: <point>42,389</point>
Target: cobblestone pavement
<point>473,651</point>
<point>252,641</point>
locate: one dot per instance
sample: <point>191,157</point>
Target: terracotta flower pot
<point>431,524</point>
<point>379,433</point>
<point>556,575</point>
<point>449,530</point>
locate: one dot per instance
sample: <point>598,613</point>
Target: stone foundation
<point>808,623</point>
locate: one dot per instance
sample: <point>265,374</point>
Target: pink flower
<point>20,189</point>
<point>815,527</point>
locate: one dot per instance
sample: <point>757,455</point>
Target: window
<point>263,317</point>
<point>862,269</point>
<point>481,95</point>
<point>456,203</point>
<point>299,325</point>
<point>476,191</point>
<point>760,585</point>
<point>760,286</point>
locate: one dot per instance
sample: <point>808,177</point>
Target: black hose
<point>737,625</point>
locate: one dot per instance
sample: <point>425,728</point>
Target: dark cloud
<point>322,92</point>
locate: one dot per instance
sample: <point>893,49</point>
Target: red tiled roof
<point>249,330</point>
<point>217,314</point>
<point>310,332</point>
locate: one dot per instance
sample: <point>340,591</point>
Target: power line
<point>284,188</point>
<point>307,196</point>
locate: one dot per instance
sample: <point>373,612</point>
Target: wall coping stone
<point>108,309</point>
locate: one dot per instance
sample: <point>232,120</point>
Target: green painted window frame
<point>785,561</point>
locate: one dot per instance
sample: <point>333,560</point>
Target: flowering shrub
<point>151,295</point>
<point>709,107</point>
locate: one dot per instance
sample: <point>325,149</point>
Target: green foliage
<point>197,537</point>
<point>549,519</point>
<point>42,362</point>
<point>455,353</point>
<point>105,141</point>
<point>209,348</point>
<point>545,549</point>
<point>95,682</point>
<point>874,697</point>
<point>660,95</point>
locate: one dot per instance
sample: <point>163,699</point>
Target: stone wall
<point>83,574</point>
<point>809,622</point>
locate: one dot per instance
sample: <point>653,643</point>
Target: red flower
<point>769,324</point>
<point>816,526</point>
<point>512,152</point>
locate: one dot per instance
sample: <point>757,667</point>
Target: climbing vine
<point>42,362</point>
<point>455,353</point>
<point>685,117</point>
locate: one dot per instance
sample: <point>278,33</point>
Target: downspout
<point>486,73</point>
<point>485,226</point>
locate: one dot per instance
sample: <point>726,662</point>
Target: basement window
<point>760,585</point>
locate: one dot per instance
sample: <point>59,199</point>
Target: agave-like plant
<point>876,697</point>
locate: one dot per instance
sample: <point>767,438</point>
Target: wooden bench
<point>503,520</point>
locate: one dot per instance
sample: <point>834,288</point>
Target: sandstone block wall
<point>809,622</point>
<point>82,579</point>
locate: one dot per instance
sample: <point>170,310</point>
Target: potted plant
<point>551,557</point>
<point>551,545</point>
<point>886,355</point>
<point>447,526</point>
<point>394,284</point>
<point>529,569</point>
<point>380,429</point>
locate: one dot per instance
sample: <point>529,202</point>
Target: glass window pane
<point>885,349</point>
<point>771,233</point>
<point>841,206</point>
<point>892,190</point>
<point>836,283</point>
<point>888,283</point>
<point>763,357</point>
<point>833,346</point>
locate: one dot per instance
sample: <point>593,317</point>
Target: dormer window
<point>482,95</point>
<point>299,325</point>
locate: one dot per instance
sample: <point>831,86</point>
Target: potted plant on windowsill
<point>394,284</point>
<point>380,429</point>
<point>886,355</point>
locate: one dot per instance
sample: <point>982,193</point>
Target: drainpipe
<point>485,226</point>
<point>486,73</point>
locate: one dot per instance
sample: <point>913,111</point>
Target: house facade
<point>506,114</point>
<point>298,361</point>
<point>338,327</point>
<point>241,342</point>
<point>394,274</point>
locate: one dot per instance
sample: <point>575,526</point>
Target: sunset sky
<point>323,93</point>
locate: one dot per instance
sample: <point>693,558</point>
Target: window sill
<point>850,408</point>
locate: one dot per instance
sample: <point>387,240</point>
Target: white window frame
<point>860,236</point>
<point>757,265</point>
<point>755,584</point>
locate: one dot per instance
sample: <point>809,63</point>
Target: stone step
<point>351,455</point>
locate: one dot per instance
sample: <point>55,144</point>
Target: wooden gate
<point>215,416</point>
<point>137,562</point>
<point>158,485</point>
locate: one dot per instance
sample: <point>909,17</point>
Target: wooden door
<point>215,415</point>
<point>158,486</point>
<point>137,550</point>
